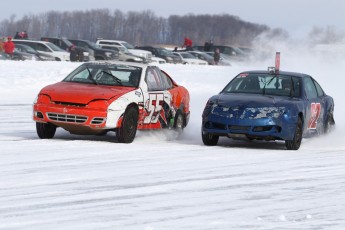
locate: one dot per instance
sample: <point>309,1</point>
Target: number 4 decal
<point>315,110</point>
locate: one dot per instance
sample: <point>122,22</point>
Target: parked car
<point>4,56</point>
<point>224,59</point>
<point>98,97</point>
<point>98,51</point>
<point>236,53</point>
<point>124,54</point>
<point>203,56</point>
<point>23,56</point>
<point>30,50</point>
<point>158,60</point>
<point>268,105</point>
<point>46,48</point>
<point>188,58</point>
<point>85,53</point>
<point>137,52</point>
<point>160,52</point>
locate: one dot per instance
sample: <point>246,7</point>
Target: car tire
<point>126,133</point>
<point>209,139</point>
<point>45,130</point>
<point>295,143</point>
<point>329,124</point>
<point>178,122</point>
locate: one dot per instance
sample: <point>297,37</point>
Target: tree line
<point>139,28</point>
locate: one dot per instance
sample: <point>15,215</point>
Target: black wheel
<point>329,124</point>
<point>45,130</point>
<point>209,139</point>
<point>295,143</point>
<point>178,122</point>
<point>128,129</point>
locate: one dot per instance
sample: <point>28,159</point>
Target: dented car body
<point>98,97</point>
<point>268,105</point>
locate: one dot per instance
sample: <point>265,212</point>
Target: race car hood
<point>82,93</point>
<point>250,100</point>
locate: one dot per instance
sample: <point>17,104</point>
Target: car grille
<point>239,127</point>
<point>67,118</point>
<point>69,104</point>
<point>97,120</point>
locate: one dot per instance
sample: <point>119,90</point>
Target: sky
<point>159,182</point>
<point>297,17</point>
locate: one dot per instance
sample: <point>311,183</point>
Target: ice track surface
<point>160,181</point>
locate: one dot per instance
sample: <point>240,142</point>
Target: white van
<point>46,48</point>
<point>141,53</point>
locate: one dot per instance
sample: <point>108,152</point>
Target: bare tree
<point>137,27</point>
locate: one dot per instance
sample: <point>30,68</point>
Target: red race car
<point>98,97</point>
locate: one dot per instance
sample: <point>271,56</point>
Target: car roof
<point>110,40</point>
<point>33,41</point>
<point>294,74</point>
<point>136,64</point>
<point>84,40</point>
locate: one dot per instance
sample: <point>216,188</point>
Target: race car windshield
<point>267,84</point>
<point>106,74</point>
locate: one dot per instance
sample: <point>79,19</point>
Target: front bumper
<point>282,128</point>
<point>71,118</point>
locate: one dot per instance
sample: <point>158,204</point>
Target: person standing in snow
<point>208,45</point>
<point>9,46</point>
<point>216,56</point>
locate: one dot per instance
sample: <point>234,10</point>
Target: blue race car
<point>268,105</point>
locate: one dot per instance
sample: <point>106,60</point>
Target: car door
<point>157,106</point>
<point>315,106</point>
<point>43,49</point>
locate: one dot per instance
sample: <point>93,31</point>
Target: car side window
<point>31,44</point>
<point>309,88</point>
<point>82,44</point>
<point>296,87</point>
<point>167,83</point>
<point>319,90</point>
<point>153,80</point>
<point>41,47</point>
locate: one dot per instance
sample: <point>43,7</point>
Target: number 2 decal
<point>315,110</point>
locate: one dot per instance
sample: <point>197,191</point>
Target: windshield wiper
<point>114,77</point>
<point>90,77</point>
<point>267,83</point>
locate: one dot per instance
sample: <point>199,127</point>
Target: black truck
<point>99,53</point>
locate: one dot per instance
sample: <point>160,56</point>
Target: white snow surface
<point>161,182</point>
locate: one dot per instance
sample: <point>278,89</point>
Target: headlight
<point>47,58</point>
<point>42,99</point>
<point>208,107</point>
<point>98,104</point>
<point>108,54</point>
<point>29,57</point>
<point>138,59</point>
